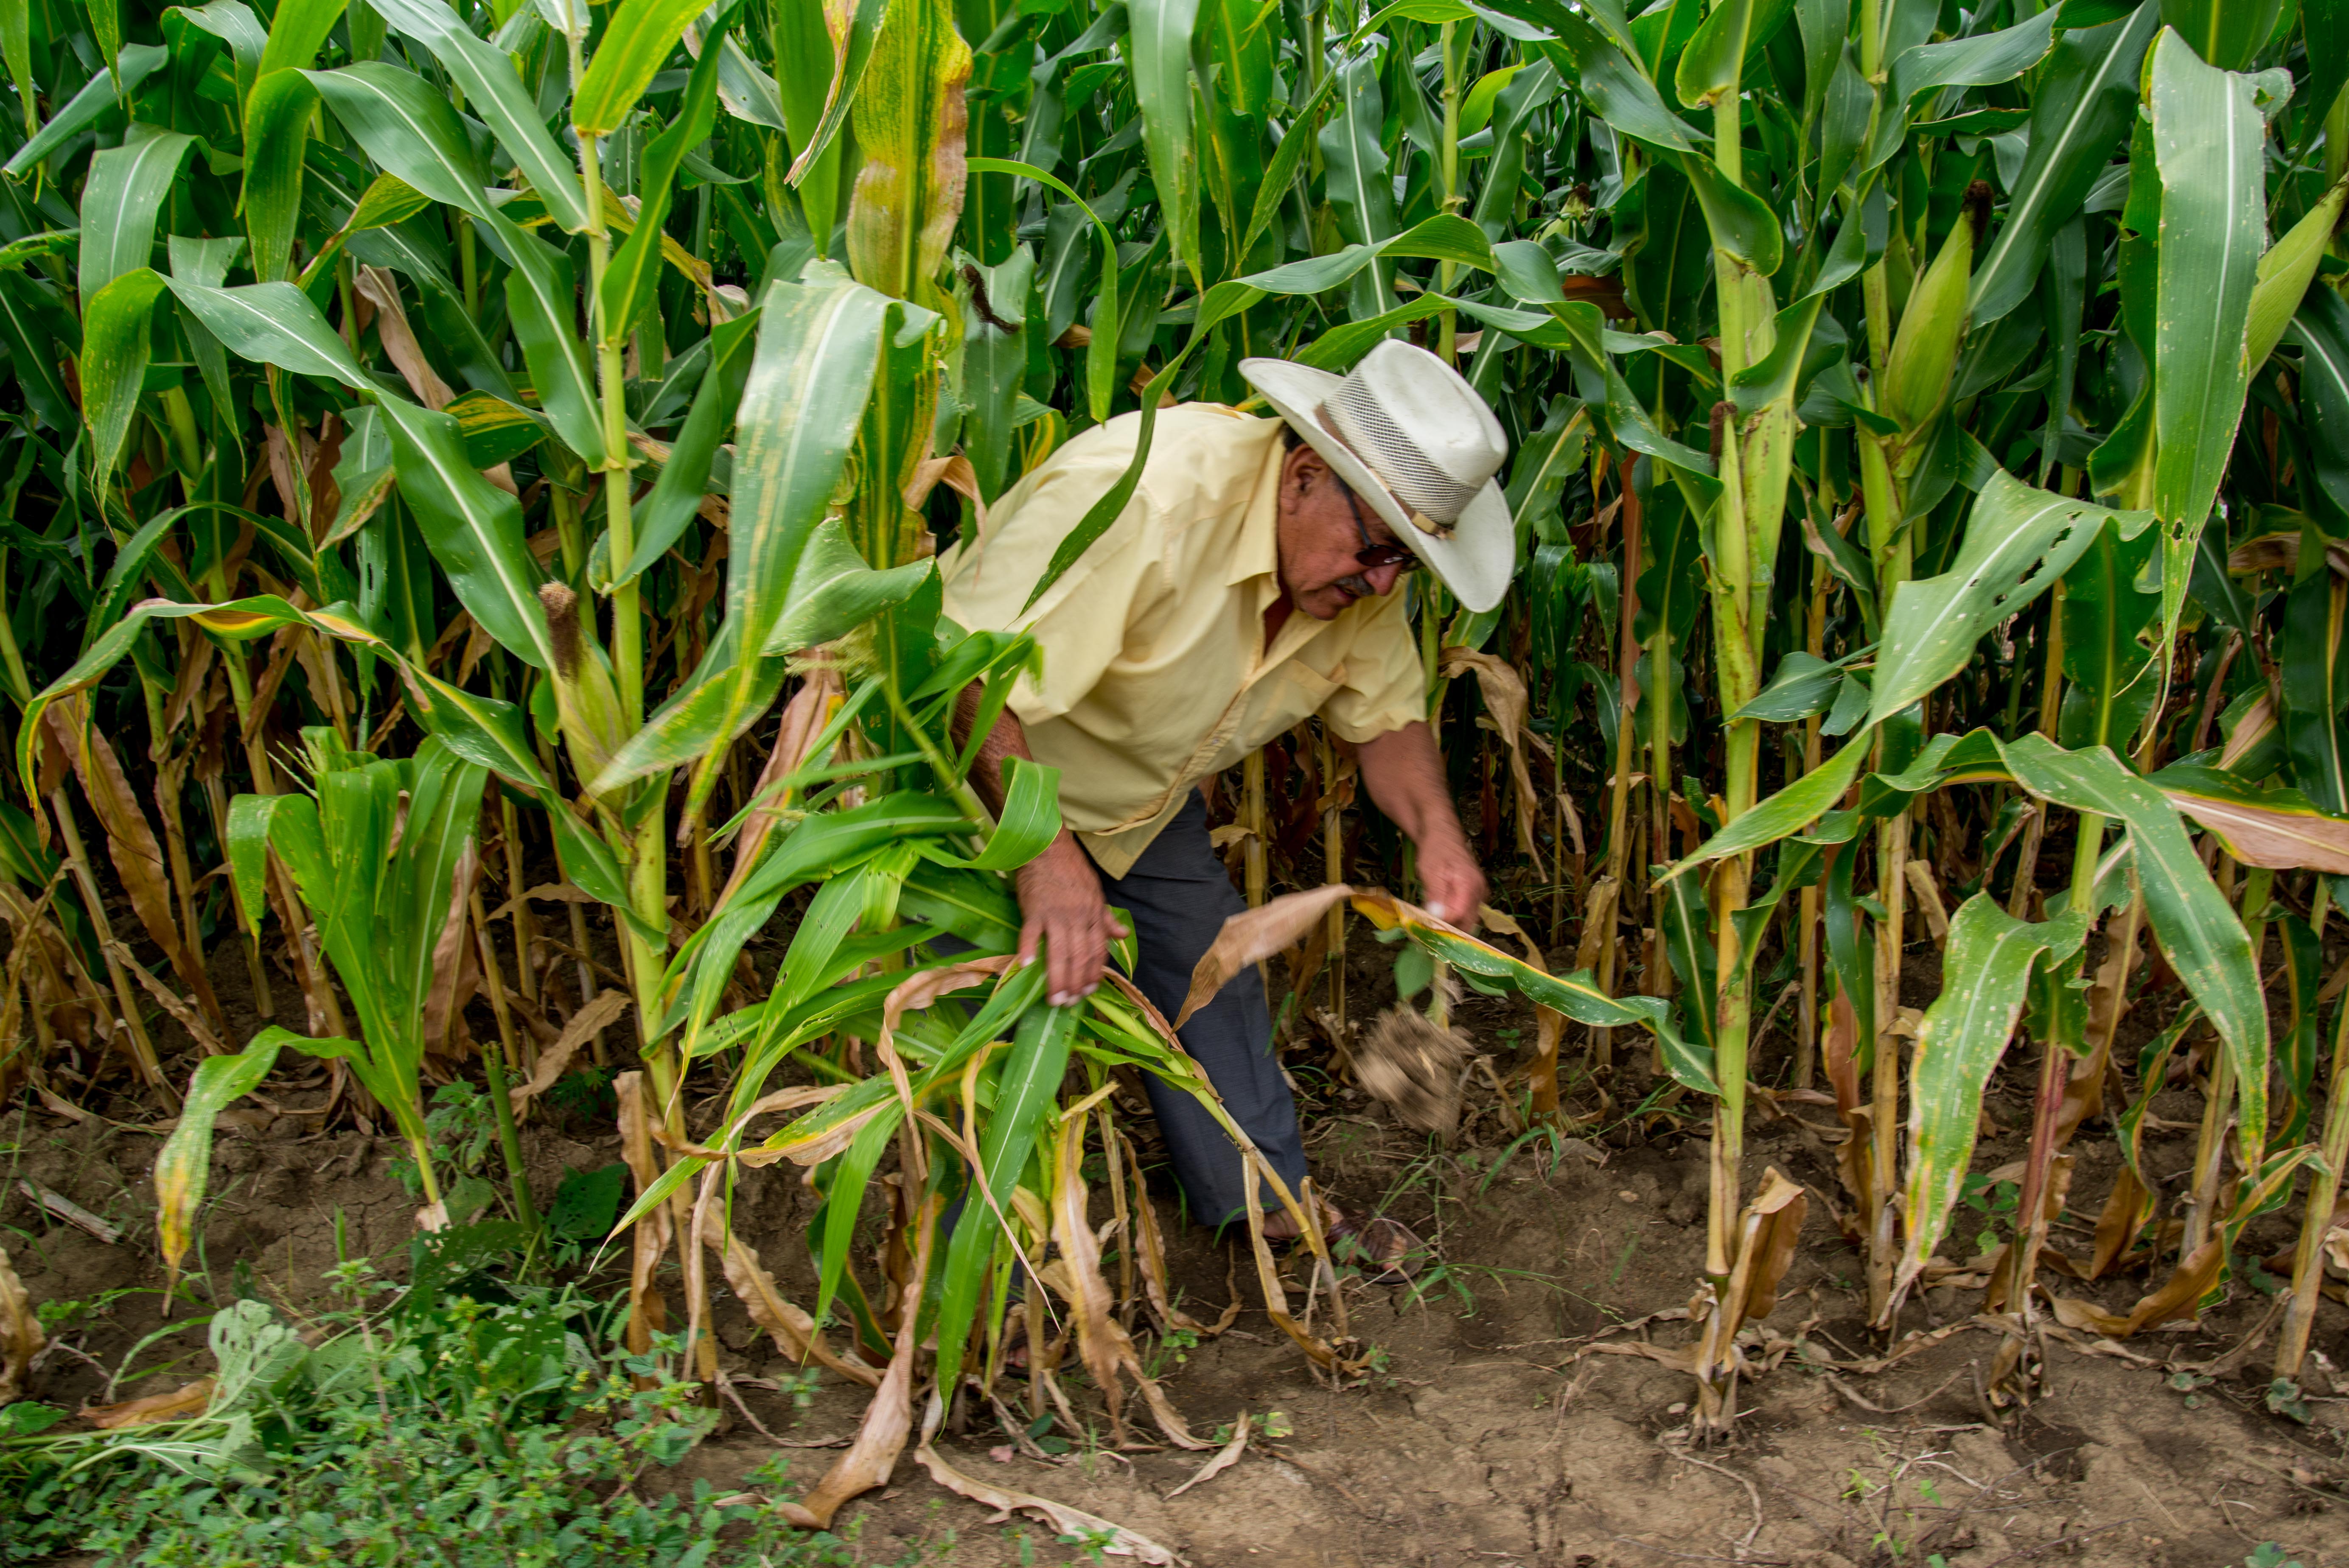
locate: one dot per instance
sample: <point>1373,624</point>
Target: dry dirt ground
<point>1491,1431</point>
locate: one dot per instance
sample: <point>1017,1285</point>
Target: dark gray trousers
<point>1179,897</point>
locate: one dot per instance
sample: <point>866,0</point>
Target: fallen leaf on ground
<point>1226,1458</point>
<point>190,1400</point>
<point>1115,1540</point>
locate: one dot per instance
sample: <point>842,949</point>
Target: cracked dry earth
<point>1483,1438</point>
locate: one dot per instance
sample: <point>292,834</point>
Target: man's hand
<point>1063,912</point>
<point>1451,882</point>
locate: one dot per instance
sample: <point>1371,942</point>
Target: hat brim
<point>1476,560</point>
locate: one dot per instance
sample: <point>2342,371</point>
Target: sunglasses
<point>1371,556</point>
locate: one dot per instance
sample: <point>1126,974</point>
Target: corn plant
<point>1928,428</point>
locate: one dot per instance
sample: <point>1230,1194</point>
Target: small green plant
<point>1174,1348</point>
<point>1995,1201</point>
<point>2267,1555</point>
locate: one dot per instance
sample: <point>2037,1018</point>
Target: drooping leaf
<point>125,189</point>
<point>1985,968</point>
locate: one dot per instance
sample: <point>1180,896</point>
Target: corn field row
<point>469,476</point>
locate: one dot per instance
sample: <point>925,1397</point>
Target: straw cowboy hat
<point>1410,437</point>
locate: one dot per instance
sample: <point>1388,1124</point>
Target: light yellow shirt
<point>1155,670</point>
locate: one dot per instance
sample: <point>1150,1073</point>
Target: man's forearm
<point>1003,742</point>
<point>1405,779</point>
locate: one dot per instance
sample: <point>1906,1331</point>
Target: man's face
<point>1320,539</point>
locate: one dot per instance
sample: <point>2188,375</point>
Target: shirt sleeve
<point>1384,689</point>
<point>1080,622</point>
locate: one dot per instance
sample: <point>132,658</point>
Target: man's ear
<point>1303,468</point>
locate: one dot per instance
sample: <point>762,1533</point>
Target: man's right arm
<point>1062,908</point>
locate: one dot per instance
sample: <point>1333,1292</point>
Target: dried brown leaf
<point>796,1333</point>
<point>1226,1458</point>
<point>1255,935</point>
<point>2265,836</point>
<point>804,720</point>
<point>2175,1298</point>
<point>598,1014</point>
<point>647,1310</point>
<point>888,1420</point>
<point>190,1400</point>
<point>381,290</point>
<point>1115,1540</point>
<point>1510,708</point>
<point>130,841</point>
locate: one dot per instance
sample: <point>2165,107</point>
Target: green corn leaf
<point>136,62</point>
<point>1024,1091</point>
<point>669,510</point>
<point>386,200</point>
<point>2312,687</point>
<point>494,91</point>
<point>819,343</point>
<point>232,22</point>
<point>1986,967</point>
<point>2227,34</point>
<point>2325,26</point>
<point>473,529</point>
<point>1787,812</point>
<point>1613,80</point>
<point>1280,174</point>
<point>183,1168</point>
<point>1712,64</point>
<point>542,302</point>
<point>633,272</point>
<point>2018,540</point>
<point>1100,354</point>
<point>253,823</point>
<point>114,358</point>
<point>273,324</point>
<point>297,31</point>
<point>2320,329</point>
<point>851,53</point>
<point>17,49</point>
<point>2080,112</point>
<point>408,129</point>
<point>1986,59</point>
<point>1357,178</point>
<point>833,592</point>
<point>2205,942</point>
<point>1030,820</point>
<point>2208,138</point>
<point>277,138</point>
<point>909,181</point>
<point>2107,690</point>
<point>1742,224</point>
<point>637,41</point>
<point>1158,45</point>
<point>125,189</point>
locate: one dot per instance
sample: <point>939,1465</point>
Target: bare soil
<point>1505,1424</point>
